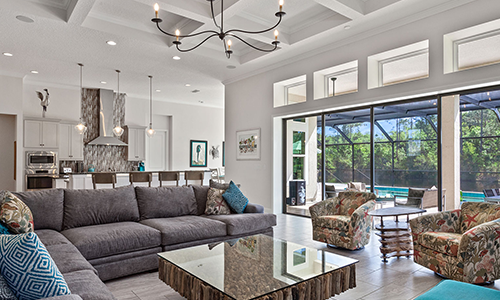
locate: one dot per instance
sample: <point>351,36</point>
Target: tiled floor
<point>397,279</point>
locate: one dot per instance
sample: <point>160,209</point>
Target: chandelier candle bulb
<point>281,4</point>
<point>276,33</point>
<point>157,8</point>
<point>229,43</point>
<point>177,33</point>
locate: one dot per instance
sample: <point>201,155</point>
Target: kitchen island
<point>80,181</point>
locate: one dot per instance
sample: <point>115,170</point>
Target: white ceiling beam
<point>78,11</point>
<point>353,9</point>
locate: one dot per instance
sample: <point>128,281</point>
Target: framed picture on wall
<point>248,144</point>
<point>198,154</point>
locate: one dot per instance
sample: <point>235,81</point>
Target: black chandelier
<point>221,33</point>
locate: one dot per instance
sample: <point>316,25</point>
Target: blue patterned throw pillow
<point>5,292</point>
<point>28,268</point>
<point>3,230</point>
<point>235,198</point>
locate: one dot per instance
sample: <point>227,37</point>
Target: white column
<point>451,150</point>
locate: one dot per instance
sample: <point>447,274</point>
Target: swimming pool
<point>390,191</point>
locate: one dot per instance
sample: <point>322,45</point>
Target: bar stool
<point>169,176</point>
<point>194,175</point>
<point>141,177</point>
<point>103,178</point>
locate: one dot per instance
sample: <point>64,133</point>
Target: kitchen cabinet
<point>136,143</point>
<point>70,143</point>
<point>41,134</point>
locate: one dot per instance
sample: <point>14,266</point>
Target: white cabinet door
<point>50,134</point>
<point>64,142</point>
<point>140,151</point>
<point>132,141</point>
<point>32,134</point>
<point>76,144</point>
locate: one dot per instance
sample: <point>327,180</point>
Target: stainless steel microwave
<point>41,160</point>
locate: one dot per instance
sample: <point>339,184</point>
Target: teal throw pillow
<point>28,268</point>
<point>235,198</point>
<point>5,292</point>
<point>4,230</point>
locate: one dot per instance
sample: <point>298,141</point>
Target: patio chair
<point>414,199</point>
<point>461,244</point>
<point>343,221</point>
<point>356,186</point>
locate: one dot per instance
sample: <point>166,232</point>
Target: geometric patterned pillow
<point>235,198</point>
<point>28,268</point>
<point>216,204</point>
<point>5,292</point>
<point>14,214</point>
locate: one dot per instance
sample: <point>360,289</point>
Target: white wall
<point>249,102</point>
<point>11,102</point>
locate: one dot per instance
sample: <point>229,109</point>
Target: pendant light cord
<point>118,96</point>
<point>81,91</point>
<point>150,101</point>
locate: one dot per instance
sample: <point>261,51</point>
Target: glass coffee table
<point>256,267</point>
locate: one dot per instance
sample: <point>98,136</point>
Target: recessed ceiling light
<point>231,67</point>
<point>187,84</point>
<point>111,43</point>
<point>195,91</point>
<point>24,19</point>
<point>34,72</point>
<point>158,91</point>
<point>103,82</point>
<point>176,57</point>
<point>8,54</point>
<point>347,27</point>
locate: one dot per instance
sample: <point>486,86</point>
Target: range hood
<point>106,125</point>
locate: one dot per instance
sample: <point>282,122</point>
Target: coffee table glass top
<point>254,266</point>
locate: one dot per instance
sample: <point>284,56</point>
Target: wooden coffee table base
<point>318,288</point>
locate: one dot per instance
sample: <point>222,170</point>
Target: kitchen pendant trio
<point>118,131</point>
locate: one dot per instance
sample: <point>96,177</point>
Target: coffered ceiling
<point>65,32</point>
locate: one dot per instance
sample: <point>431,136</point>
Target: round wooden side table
<point>395,236</point>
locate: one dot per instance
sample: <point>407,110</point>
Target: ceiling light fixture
<point>118,130</point>
<point>221,34</point>
<point>176,58</point>
<point>34,72</point>
<point>8,54</point>
<point>81,128</point>
<point>187,84</point>
<point>111,43</point>
<point>103,82</point>
<point>150,130</point>
<point>158,91</point>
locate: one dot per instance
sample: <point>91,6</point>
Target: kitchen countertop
<point>128,172</point>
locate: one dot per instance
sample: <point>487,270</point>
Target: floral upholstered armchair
<point>343,221</point>
<point>462,244</point>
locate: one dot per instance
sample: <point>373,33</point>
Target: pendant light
<point>118,130</point>
<point>81,128</point>
<point>150,130</point>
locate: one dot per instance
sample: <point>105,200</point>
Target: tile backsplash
<point>103,158</point>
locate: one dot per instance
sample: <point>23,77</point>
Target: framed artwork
<point>223,154</point>
<point>198,154</point>
<point>248,144</point>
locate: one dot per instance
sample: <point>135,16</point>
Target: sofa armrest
<point>479,251</point>
<point>66,297</point>
<point>254,209</point>
<point>360,219</point>
<point>447,221</point>
<point>326,207</point>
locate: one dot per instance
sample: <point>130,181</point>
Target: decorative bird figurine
<point>215,152</point>
<point>44,100</point>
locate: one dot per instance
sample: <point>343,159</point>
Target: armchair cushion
<point>475,213</point>
<point>442,242</point>
<point>350,201</point>
<point>336,222</point>
<point>324,208</point>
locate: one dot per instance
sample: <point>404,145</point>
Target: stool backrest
<point>169,176</point>
<point>141,177</point>
<point>103,178</point>
<point>194,175</point>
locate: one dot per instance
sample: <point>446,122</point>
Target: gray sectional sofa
<point>98,235</point>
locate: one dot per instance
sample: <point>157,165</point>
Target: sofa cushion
<point>337,222</point>
<point>28,268</point>
<point>200,192</point>
<point>235,198</point>
<point>88,285</point>
<point>476,213</point>
<point>238,224</point>
<point>216,205</point>
<point>442,242</point>
<point>94,207</point>
<point>14,214</point>
<point>186,228</point>
<point>5,291</point>
<point>68,258</point>
<point>41,202</point>
<point>51,237</point>
<point>164,202</point>
<point>110,239</point>
<point>220,186</point>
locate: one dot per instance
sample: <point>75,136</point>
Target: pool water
<point>389,191</point>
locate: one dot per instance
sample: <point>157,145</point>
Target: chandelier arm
<point>256,48</point>
<point>213,15</point>
<point>185,36</point>
<point>201,43</point>
<point>256,32</point>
